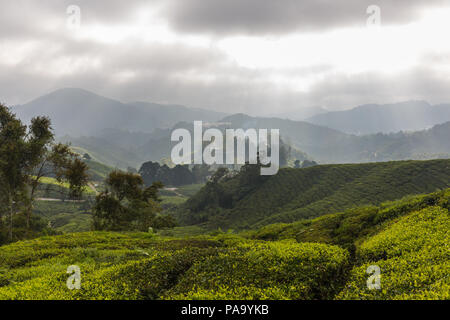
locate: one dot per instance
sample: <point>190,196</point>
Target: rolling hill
<point>325,258</point>
<point>295,194</point>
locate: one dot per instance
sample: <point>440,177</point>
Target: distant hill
<point>295,194</point>
<point>123,135</point>
<point>106,152</point>
<point>301,114</point>
<point>332,146</point>
<point>77,112</point>
<point>121,148</point>
<point>374,118</point>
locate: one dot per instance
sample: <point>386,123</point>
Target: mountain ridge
<point>79,112</point>
<point>386,118</point>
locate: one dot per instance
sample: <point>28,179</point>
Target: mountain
<point>293,194</point>
<point>374,118</point>
<point>77,112</point>
<point>123,148</point>
<point>300,114</point>
<point>331,146</point>
<point>123,135</point>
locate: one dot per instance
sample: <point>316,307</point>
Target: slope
<point>295,194</point>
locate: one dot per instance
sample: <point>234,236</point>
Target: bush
<point>413,254</point>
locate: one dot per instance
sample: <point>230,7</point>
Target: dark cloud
<point>272,17</point>
<point>210,82</point>
<point>30,18</point>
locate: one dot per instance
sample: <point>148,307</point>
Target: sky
<point>254,56</point>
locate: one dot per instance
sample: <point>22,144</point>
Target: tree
<point>28,153</point>
<point>128,205</point>
<point>176,176</point>
<point>200,172</point>
<point>76,174</point>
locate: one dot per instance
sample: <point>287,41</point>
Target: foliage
<point>347,228</point>
<point>413,255</point>
<point>142,266</point>
<point>295,194</point>
<point>128,205</point>
<point>27,154</point>
<point>253,270</point>
<point>408,239</point>
<point>179,175</point>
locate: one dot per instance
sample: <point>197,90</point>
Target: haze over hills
<point>124,135</point>
<point>301,114</point>
<point>78,112</point>
<point>374,118</point>
<point>122,148</point>
<point>331,146</point>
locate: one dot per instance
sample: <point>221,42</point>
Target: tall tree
<point>128,205</point>
<point>27,153</point>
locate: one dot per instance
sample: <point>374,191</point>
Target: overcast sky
<point>254,56</point>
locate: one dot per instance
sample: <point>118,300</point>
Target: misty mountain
<point>124,135</point>
<point>331,146</point>
<point>374,118</point>
<point>121,148</point>
<point>300,114</point>
<point>77,112</point>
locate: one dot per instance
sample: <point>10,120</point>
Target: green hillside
<point>408,239</point>
<point>413,255</point>
<point>348,227</point>
<point>104,152</point>
<point>98,171</point>
<point>295,194</point>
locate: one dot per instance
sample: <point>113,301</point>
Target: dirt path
<point>59,200</point>
<point>174,190</point>
<point>91,185</point>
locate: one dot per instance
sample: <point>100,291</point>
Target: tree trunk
<point>29,210</point>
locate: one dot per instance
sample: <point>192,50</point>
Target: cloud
<point>419,83</point>
<point>38,54</point>
<point>270,17</point>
